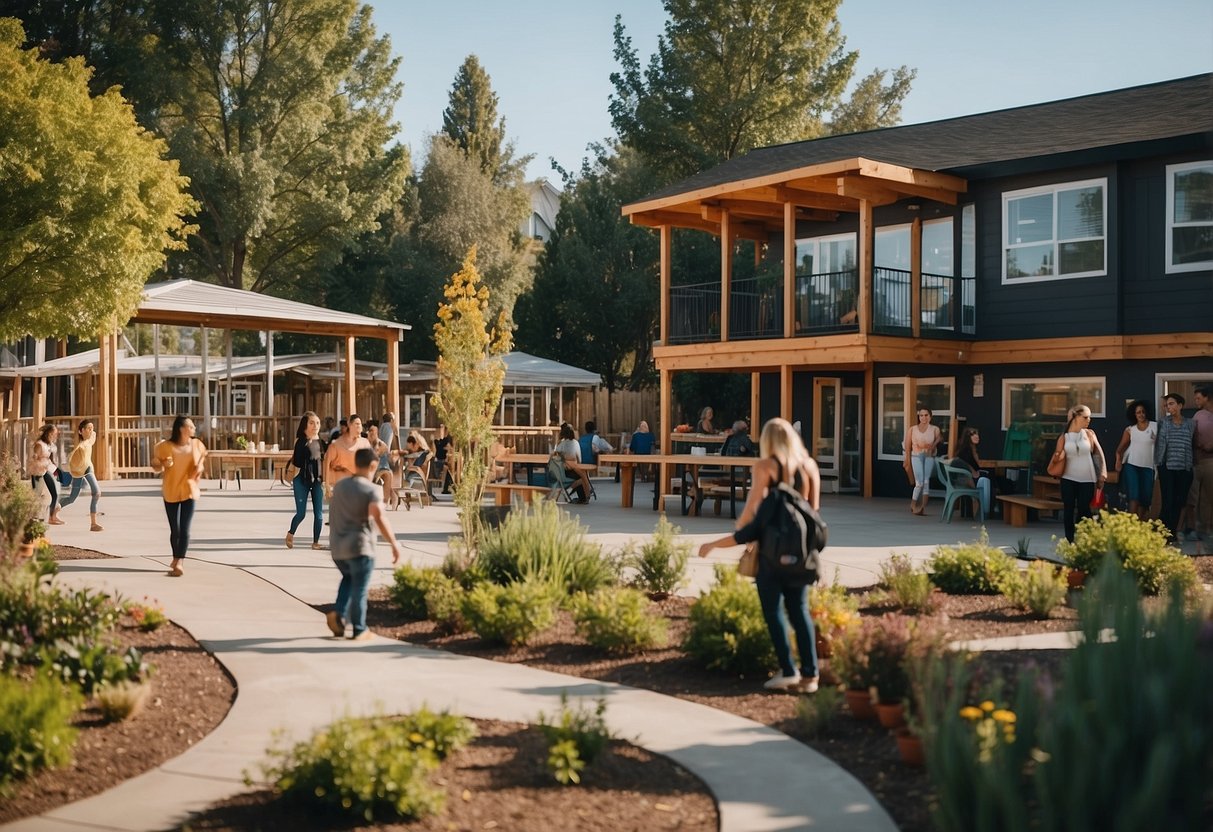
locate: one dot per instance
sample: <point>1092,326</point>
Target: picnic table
<point>231,462</point>
<point>690,463</point>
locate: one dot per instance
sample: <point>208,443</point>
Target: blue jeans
<point>77,484</point>
<point>775,595</point>
<point>351,593</point>
<point>923,465</point>
<point>1138,483</point>
<point>180,515</point>
<point>301,495</point>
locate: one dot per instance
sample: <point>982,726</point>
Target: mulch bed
<point>500,781</point>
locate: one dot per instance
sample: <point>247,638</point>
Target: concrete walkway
<point>247,599</point>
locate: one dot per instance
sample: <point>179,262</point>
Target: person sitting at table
<point>642,439</point>
<point>704,425</point>
<point>570,450</point>
<point>966,457</point>
<point>498,470</point>
<point>738,442</point>
<point>383,470</point>
<point>418,455</point>
<point>592,444</point>
<point>442,442</point>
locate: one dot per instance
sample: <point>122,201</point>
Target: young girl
<point>44,467</point>
<point>80,464</point>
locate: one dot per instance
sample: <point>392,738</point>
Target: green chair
<point>952,476</point>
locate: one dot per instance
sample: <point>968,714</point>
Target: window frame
<point>816,242</point>
<point>1054,190</point>
<point>1006,392</point>
<point>891,381</point>
<point>1169,241</point>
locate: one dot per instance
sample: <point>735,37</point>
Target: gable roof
<point>1169,109</point>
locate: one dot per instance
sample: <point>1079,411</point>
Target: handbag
<point>747,567</point>
<point>1057,464</point>
<point>1099,500</point>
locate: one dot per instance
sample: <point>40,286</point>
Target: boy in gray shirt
<point>356,502</point>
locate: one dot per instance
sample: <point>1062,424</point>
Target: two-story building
<point>997,268</point>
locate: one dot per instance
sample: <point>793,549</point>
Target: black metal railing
<point>827,302</point>
<point>891,294</point>
<point>944,308</point>
<point>756,308</point>
<point>694,313</point>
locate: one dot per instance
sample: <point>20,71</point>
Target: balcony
<point>947,304</point>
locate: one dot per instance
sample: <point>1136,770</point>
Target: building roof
<point>193,303</point>
<point>524,370</point>
<point>971,144</point>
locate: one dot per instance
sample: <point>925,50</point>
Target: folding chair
<point>558,481</point>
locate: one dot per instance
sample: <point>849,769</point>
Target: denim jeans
<point>302,492</point>
<point>180,515</point>
<point>1174,487</point>
<point>923,465</point>
<point>351,593</point>
<point>51,487</point>
<point>77,484</point>
<point>775,595</point>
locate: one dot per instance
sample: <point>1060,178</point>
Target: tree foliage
<point>470,378</point>
<point>472,123</point>
<point>88,203</point>
<point>873,104</point>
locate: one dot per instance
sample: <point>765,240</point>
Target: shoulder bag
<point>1057,464</point>
<point>747,567</point>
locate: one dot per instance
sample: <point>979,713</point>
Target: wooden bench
<point>1015,507</point>
<point>503,492</point>
<point>406,493</point>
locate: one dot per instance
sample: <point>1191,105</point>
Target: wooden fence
<point>626,409</point>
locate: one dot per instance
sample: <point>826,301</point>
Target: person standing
<point>80,465</point>
<point>388,432</point>
<point>1173,457</point>
<point>1202,471</point>
<point>921,444</point>
<point>784,459</point>
<point>339,459</point>
<point>442,443</point>
<point>356,504</point>
<point>44,467</point>
<point>178,460</point>
<point>307,482</point>
<point>1086,468</point>
<point>1135,458</point>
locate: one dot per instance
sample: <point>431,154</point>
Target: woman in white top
<point>44,467</point>
<point>1085,467</point>
<point>1136,467</point>
<point>921,443</point>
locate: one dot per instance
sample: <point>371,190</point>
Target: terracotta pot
<point>859,702</point>
<point>1076,578</point>
<point>891,716</point>
<point>910,747</point>
<point>25,550</point>
<point>824,650</point>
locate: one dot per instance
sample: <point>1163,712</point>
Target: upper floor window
<point>1055,232</point>
<point>1190,217</point>
<point>825,255</point>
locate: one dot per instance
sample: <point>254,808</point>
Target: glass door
<point>825,430</point>
<point>849,474</point>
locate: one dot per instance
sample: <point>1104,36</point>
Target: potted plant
<point>241,442</point>
<point>850,663</point>
<point>888,648</point>
<point>35,530</point>
<point>833,611</point>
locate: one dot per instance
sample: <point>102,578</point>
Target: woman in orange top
<point>339,458</point>
<point>178,460</point>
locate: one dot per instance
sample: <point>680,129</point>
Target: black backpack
<point>792,537</point>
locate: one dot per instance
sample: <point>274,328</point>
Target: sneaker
<point>365,635</point>
<point>336,625</point>
<point>809,685</point>
<point>781,682</point>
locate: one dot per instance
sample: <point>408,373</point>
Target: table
<point>677,439</point>
<point>532,461</point>
<point>690,462</point>
<point>232,459</point>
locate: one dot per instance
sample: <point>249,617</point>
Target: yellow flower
<point>987,706</point>
<point>1003,715</point>
<point>969,712</point>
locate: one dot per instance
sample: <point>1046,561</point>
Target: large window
<point>1049,399</point>
<point>824,255</point>
<point>935,394</point>
<point>1190,217</point>
<point>1055,232</point>
<point>177,395</point>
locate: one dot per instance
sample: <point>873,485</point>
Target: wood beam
<point>755,405</point>
<point>869,429</point>
<point>935,194</point>
<point>14,410</point>
<point>665,427</point>
<point>351,394</point>
<point>39,412</point>
<point>219,321</point>
<point>666,239</point>
<point>757,231</point>
<point>916,277</point>
<point>204,388</point>
<point>105,438</point>
<point>789,269</point>
<point>726,272</point>
<point>393,376</point>
<point>912,176</point>
<point>766,210</point>
<point>821,200</point>
<point>866,239</point>
<point>867,190</point>
<point>785,392</point>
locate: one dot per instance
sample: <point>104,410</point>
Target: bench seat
<point>503,492</point>
<point>1015,507</point>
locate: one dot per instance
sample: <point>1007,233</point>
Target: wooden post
<point>726,271</point>
<point>204,389</point>
<point>393,376</point>
<point>910,405</point>
<point>351,402</point>
<point>755,404</point>
<point>39,402</point>
<point>14,410</point>
<point>104,439</point>
<point>785,392</point>
<point>870,432</point>
<point>916,277</point>
<point>865,266</point>
<point>666,241</point>
<point>666,419</point>
<point>269,379</point>
<point>789,269</point>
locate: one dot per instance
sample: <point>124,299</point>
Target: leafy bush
<point>888,649</point>
<point>541,543</point>
<point>375,769</point>
<point>575,738</point>
<point>816,713</point>
<point>18,505</point>
<point>122,700</point>
<point>442,733</point>
<point>1040,588</point>
<point>1139,545</point>
<point>727,628</point>
<point>147,617</point>
<point>909,587</point>
<point>833,609</point>
<point>91,665</point>
<point>35,612</point>
<point>35,726</point>
<point>970,568</point>
<point>409,586</point>
<point>661,563</point>
<point>850,659</point>
<point>444,603</point>
<point>619,621</point>
<point>511,614</point>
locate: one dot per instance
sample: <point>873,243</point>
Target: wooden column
<point>14,409</point>
<point>101,456</point>
<point>870,432</point>
<point>785,392</point>
<point>910,405</point>
<point>666,420</point>
<point>269,377</point>
<point>393,376</point>
<point>204,389</point>
<point>39,402</point>
<point>789,270</point>
<point>755,404</point>
<point>351,401</point>
<point>664,325</point>
<point>726,271</point>
<point>865,266</point>
<point>916,277</point>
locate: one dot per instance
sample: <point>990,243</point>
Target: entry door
<point>837,432</point>
<point>851,430</point>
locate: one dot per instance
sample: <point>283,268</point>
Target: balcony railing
<point>694,313</point>
<point>756,308</point>
<point>947,303</point>
<point>827,302</point>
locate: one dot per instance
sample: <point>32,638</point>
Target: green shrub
<point>816,713</point>
<point>35,726</point>
<point>850,657</point>
<point>18,505</point>
<point>888,646</point>
<point>511,614</point>
<point>1139,545</point>
<point>727,629</point>
<point>91,665</point>
<point>409,586</point>
<point>375,769</point>
<point>442,733</point>
<point>909,587</point>
<point>122,700</point>
<point>444,604</point>
<point>1039,589</point>
<point>36,612</point>
<point>661,563</point>
<point>833,609</point>
<point>575,739</point>
<point>619,621</point>
<point>970,568</point>
<point>542,543</point>
<point>147,617</point>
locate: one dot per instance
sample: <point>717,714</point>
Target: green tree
<point>729,76</point>
<point>873,103</point>
<point>472,123</point>
<point>594,303</point>
<point>470,378</point>
<point>88,203</point>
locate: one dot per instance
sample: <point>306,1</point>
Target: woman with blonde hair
<point>80,464</point>
<point>1086,468</point>
<point>784,459</point>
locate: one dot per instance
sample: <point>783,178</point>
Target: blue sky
<point>550,61</point>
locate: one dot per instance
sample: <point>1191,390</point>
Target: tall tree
<point>471,121</point>
<point>873,103</point>
<point>88,203</point>
<point>729,76</point>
